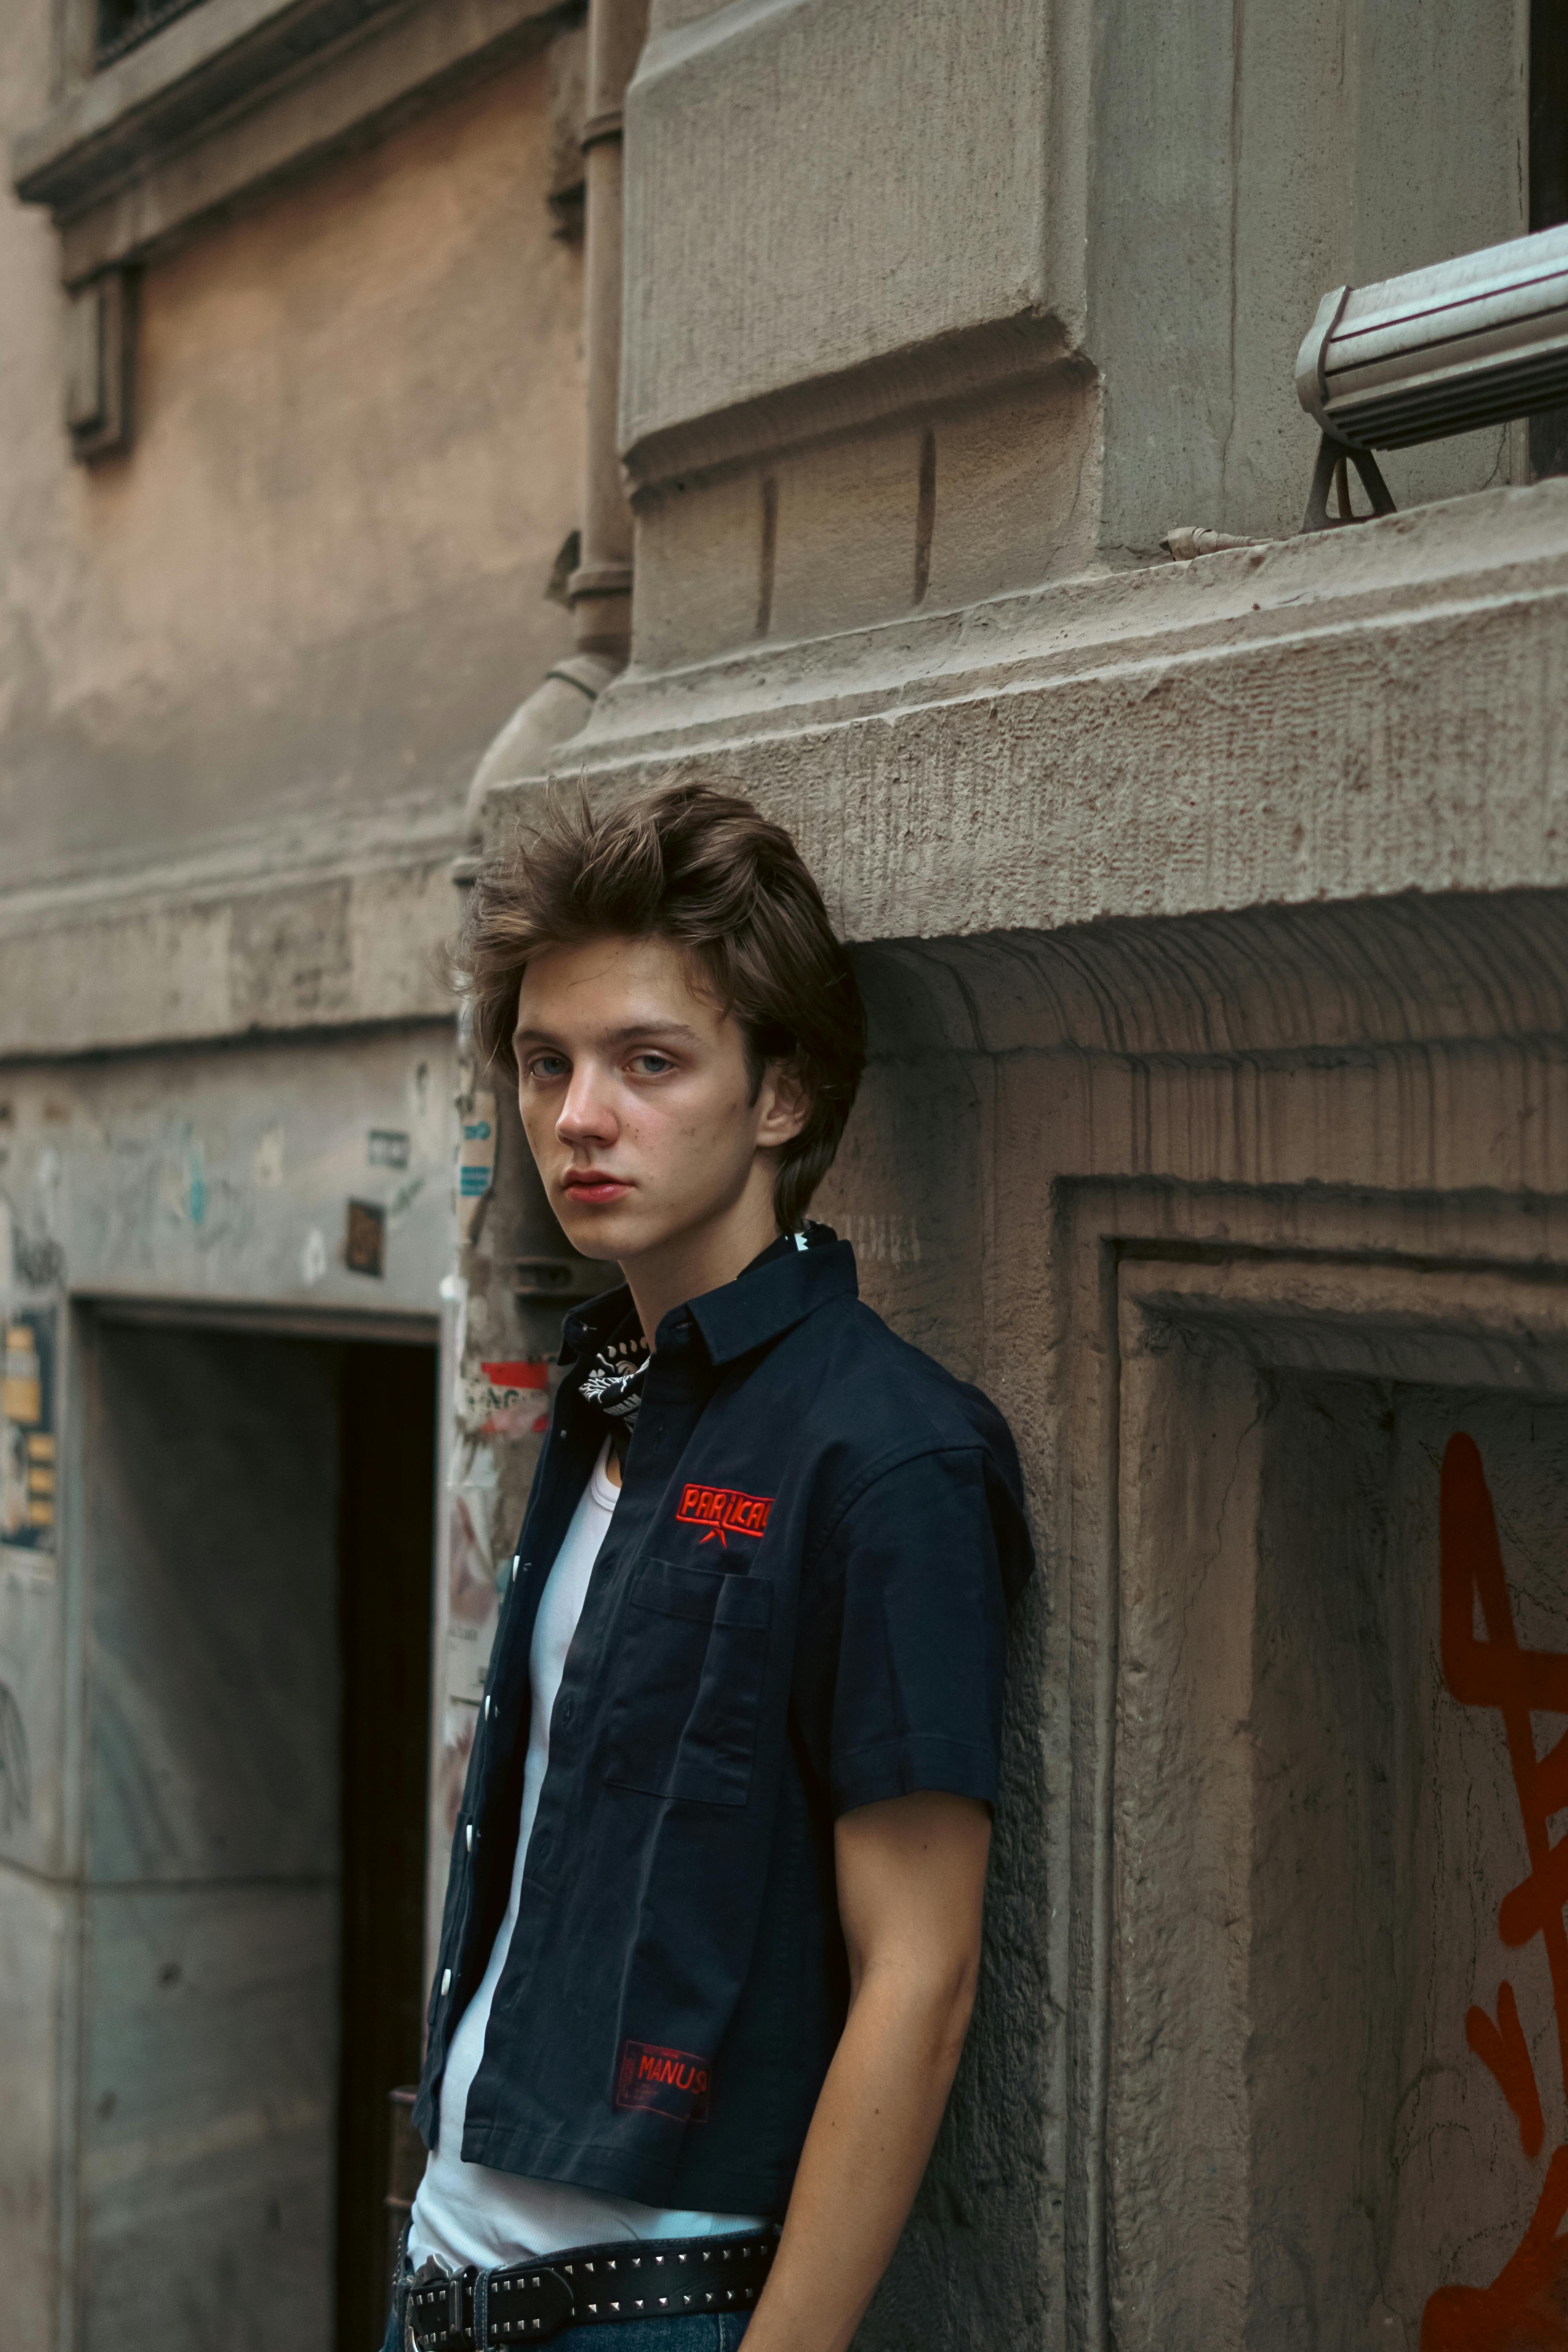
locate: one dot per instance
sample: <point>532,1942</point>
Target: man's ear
<point>783,1104</point>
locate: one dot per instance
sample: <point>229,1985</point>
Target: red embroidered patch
<point>672,2083</point>
<point>724,1511</point>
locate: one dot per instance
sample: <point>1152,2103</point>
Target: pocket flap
<point>705,1594</point>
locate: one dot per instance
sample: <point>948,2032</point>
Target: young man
<point>714,1920</point>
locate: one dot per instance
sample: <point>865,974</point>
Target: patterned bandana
<point>615,1377</point>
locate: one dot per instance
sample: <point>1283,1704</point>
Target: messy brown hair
<point>703,870</point>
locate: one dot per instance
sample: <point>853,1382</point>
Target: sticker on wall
<point>388,1148</point>
<point>28,1462</point>
<point>475,1159</point>
<point>364,1242</point>
<point>512,1399</point>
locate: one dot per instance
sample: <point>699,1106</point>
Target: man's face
<point>636,1098</point>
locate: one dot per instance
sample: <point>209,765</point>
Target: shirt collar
<point>779,1289</point>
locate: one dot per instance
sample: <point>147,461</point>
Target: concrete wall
<point>209,1838</point>
<point>247,670</point>
<point>272,641</point>
<point>169,1767</point>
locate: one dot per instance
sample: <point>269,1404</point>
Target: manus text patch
<point>723,1511</point>
<point>669,2082</point>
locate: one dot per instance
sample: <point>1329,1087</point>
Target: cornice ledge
<point>1363,713</point>
<point>341,930</point>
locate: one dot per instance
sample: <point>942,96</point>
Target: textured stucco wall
<point>313,590</point>
<point>1250,1849</point>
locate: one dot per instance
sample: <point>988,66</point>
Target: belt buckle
<point>444,2306</point>
<point>528,2306</point>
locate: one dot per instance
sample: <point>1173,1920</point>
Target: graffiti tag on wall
<point>1527,2303</point>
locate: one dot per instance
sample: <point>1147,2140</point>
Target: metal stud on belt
<point>469,2312</point>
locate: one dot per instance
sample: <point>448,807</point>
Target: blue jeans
<point>697,2331</point>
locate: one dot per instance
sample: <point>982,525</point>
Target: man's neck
<point>687,1264</point>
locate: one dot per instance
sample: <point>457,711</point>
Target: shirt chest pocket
<point>689,1688</point>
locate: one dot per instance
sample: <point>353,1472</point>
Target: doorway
<point>256,1587</point>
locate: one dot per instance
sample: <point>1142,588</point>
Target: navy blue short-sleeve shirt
<point>799,1607</point>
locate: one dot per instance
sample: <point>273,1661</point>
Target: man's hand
<point>911,1873</point>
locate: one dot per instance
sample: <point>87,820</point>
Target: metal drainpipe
<point>601,587</point>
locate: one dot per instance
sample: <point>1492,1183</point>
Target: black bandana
<point>615,1377</point>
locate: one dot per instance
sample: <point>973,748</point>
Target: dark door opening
<point>257,1567</point>
<point>385,1518</point>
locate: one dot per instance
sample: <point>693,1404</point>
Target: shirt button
<point>446,1982</point>
<point>468,1833</point>
<point>487,1710</point>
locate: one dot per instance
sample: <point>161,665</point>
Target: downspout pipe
<point>600,590</point>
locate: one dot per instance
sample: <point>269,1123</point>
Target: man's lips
<point>594,1185</point>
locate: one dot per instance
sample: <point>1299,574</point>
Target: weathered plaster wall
<point>246,673</point>
<point>226,1176</point>
<point>287,625</point>
<point>1250,1847</point>
<point>168,1767</point>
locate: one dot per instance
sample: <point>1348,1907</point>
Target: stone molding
<point>238,95</point>
<point>1326,720</point>
<point>1284,801</point>
<point>239,943</point>
<point>1336,1284</point>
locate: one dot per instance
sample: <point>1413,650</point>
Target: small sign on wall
<point>365,1242</point>
<point>28,1468</point>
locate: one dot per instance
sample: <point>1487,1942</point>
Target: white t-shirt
<point>467,2213</point>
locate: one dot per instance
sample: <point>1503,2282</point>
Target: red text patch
<point>672,2083</point>
<point>723,1511</point>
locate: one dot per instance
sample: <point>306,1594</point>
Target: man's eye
<point>545,1067</point>
<point>652,1065</point>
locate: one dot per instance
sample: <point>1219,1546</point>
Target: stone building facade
<point>1210,916</point>
<point>272,574</point>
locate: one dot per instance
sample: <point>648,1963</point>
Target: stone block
<point>885,186</point>
<point>207,2181</point>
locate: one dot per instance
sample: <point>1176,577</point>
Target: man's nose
<point>585,1115</point>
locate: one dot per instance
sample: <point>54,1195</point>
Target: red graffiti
<point>1527,2303</point>
<point>1524,2305</point>
<point>1504,2052</point>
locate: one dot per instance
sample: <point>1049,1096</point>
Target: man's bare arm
<point>911,1873</point>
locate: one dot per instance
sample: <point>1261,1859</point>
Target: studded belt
<point>586,2286</point>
